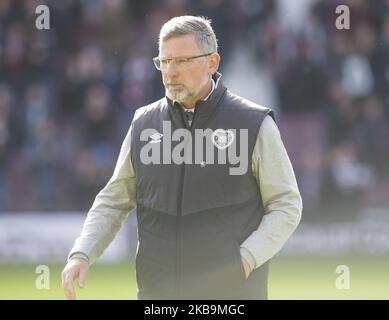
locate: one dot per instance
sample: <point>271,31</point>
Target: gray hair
<point>200,27</point>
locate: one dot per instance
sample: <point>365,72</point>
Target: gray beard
<point>184,95</point>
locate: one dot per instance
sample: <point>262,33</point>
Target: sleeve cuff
<point>79,255</point>
<point>247,255</point>
<point>86,247</point>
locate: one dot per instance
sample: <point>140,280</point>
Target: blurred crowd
<point>68,94</point>
<point>342,78</point>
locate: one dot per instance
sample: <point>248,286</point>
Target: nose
<point>171,70</point>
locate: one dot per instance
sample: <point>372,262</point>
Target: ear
<point>214,61</point>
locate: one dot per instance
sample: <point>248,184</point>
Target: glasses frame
<point>157,61</point>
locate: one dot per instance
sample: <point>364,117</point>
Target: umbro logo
<point>156,137</point>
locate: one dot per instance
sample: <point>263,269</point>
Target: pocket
<point>212,269</point>
<point>138,272</point>
<point>153,273</point>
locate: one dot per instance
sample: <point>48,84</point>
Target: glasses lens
<point>157,63</point>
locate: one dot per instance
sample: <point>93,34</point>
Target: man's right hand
<point>76,268</point>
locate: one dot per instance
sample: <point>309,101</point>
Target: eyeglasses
<point>179,62</point>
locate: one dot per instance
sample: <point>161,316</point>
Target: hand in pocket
<point>246,267</point>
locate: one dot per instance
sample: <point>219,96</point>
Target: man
<point>206,228</point>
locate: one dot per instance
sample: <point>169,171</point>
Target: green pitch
<point>290,278</point>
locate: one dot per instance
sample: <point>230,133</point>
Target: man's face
<point>185,82</point>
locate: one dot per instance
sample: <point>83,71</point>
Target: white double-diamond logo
<point>156,137</point>
<point>222,139</point>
